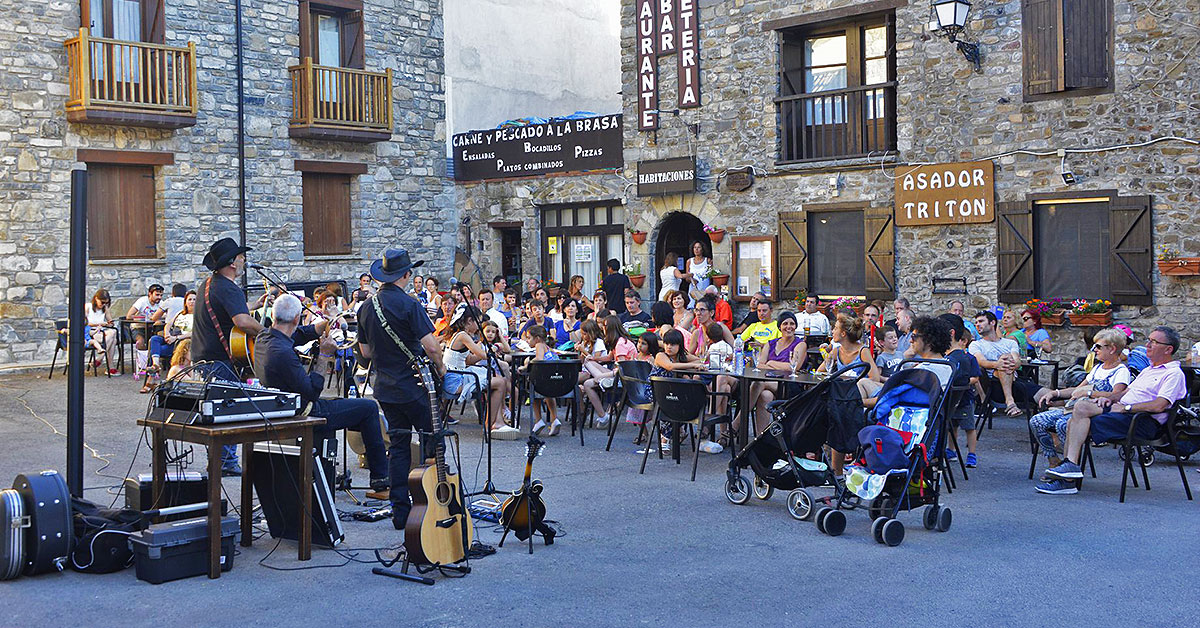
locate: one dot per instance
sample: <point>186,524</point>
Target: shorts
<point>461,386</point>
<point>963,417</point>
<point>1113,426</point>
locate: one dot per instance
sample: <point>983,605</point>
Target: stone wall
<point>402,199</point>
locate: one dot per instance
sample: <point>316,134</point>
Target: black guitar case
<point>12,538</point>
<point>49,538</point>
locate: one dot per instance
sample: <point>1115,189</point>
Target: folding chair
<point>680,402</point>
<point>558,379</point>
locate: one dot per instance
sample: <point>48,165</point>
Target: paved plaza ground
<point>654,549</point>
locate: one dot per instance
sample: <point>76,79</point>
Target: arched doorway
<point>676,234</point>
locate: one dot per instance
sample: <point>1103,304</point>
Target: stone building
<point>827,102</point>
<point>343,143</point>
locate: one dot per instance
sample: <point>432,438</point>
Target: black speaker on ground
<point>276,470</point>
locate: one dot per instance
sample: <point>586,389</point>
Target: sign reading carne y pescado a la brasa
<point>536,149</point>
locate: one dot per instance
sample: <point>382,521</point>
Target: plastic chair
<point>635,376</point>
<point>681,402</point>
<point>1165,439</point>
<point>89,352</point>
<point>557,379</point>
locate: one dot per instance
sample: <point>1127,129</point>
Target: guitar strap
<point>412,359</point>
<point>213,316</point>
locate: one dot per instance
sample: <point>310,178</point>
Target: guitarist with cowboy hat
<point>393,328</point>
<point>221,306</point>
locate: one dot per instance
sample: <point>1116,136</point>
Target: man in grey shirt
<point>998,356</point>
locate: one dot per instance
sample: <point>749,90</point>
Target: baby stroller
<point>897,471</point>
<point>777,455</point>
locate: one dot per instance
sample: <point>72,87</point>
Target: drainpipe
<point>241,133</point>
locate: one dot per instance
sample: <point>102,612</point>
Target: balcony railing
<point>340,103</point>
<point>130,82</point>
<point>838,123</point>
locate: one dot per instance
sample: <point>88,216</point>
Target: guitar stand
<point>546,531</point>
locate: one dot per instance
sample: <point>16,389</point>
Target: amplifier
<point>221,402</point>
<point>276,470</point>
<point>179,489</point>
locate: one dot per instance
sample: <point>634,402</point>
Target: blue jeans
<point>222,370</point>
<point>161,348</point>
<point>360,415</point>
<point>402,419</point>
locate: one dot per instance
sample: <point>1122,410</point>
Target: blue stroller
<point>895,466</point>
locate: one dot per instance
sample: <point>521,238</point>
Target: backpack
<point>883,449</point>
<point>101,536</point>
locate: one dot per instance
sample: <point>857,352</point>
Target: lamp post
<point>950,16</point>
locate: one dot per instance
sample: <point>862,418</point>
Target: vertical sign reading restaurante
<point>945,194</point>
<point>667,27</point>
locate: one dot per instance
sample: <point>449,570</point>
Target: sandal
<point>147,388</point>
<point>1012,410</point>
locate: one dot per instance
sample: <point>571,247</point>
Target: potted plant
<point>1051,311</point>
<point>714,234</point>
<point>718,278</point>
<point>552,288</point>
<point>639,237</point>
<point>852,303</point>
<point>634,271</point>
<point>1170,262</point>
<point>1086,313</point>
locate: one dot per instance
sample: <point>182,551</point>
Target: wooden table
<point>244,433</point>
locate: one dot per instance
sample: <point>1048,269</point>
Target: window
<point>121,218</point>
<point>837,90</point>
<point>1085,247</point>
<point>327,214</point>
<point>837,250</point>
<point>1067,47</point>
<point>579,240</point>
<point>127,20</point>
<point>332,34</point>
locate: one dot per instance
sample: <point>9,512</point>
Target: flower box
<point>716,235</point>
<point>1180,267</point>
<point>1054,319</point>
<point>639,237</point>
<point>638,280</point>
<point>720,280</point>
<point>1100,319</point>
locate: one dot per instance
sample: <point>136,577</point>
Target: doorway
<point>510,256</point>
<point>676,235</point>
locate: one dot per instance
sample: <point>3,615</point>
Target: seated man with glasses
<point>1154,390</point>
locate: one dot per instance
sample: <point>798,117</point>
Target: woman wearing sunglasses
<point>1037,337</point>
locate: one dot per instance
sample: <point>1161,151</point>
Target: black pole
<point>241,126</point>
<point>77,296</point>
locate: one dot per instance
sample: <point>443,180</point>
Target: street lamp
<point>950,16</point>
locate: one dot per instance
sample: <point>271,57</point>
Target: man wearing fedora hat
<point>221,306</point>
<point>390,317</point>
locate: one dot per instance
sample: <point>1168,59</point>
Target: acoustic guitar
<point>524,512</point>
<point>241,347</point>
<point>437,531</point>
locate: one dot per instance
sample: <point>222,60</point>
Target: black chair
<point>557,379</point>
<point>955,396</point>
<point>480,398</point>
<point>89,352</point>
<point>681,402</point>
<point>1165,439</point>
<point>635,376</point>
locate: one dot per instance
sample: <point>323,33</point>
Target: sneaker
<point>971,461</point>
<point>539,426</point>
<point>951,455</point>
<point>1066,471</point>
<point>367,391</point>
<point>602,421</point>
<point>709,447</point>
<point>506,432</point>
<point>554,427</point>
<point>1057,487</point>
<point>234,470</point>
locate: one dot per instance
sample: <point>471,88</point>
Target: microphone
<point>254,266</point>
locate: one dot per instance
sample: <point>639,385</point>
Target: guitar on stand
<point>524,513</point>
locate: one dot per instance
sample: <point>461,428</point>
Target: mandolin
<point>524,512</point>
<point>434,533</point>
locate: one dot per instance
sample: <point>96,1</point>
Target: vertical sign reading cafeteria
<point>666,27</point>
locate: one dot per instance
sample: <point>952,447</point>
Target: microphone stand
<point>489,487</point>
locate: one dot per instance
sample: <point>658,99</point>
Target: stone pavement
<point>654,549</point>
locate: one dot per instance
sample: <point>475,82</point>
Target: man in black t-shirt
<point>614,286</point>
<point>221,306</point>
<point>751,316</point>
<point>404,401</point>
<point>634,317</point>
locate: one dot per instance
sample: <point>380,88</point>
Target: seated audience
<point>536,336</point>
<point>1036,337</point>
<point>597,371</point>
<point>757,335</point>
<point>812,322</point>
<point>962,415</point>
<point>430,299</point>
<point>682,317</point>
<point>492,312</point>
<point>674,361</point>
<point>697,338</point>
<point>785,353</point>
<point>633,317</point>
<point>575,291</point>
<point>722,311</point>
<point>100,331</point>
<point>889,356</point>
<point>663,317</point>
<point>1000,357</point>
<point>537,317</point>
<point>958,309</point>
<point>1010,328</point>
<point>847,350</point>
<point>464,354</point>
<point>566,328</point>
<point>751,315</point>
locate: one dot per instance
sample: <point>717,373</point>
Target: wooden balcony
<point>340,104</point>
<point>132,83</point>
<point>838,123</point>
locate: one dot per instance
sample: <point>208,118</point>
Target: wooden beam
<point>345,5</point>
<point>817,17</point>
<point>330,167</point>
<point>131,157</point>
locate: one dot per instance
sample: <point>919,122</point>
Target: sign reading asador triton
<point>666,176</point>
<point>945,194</point>
<point>536,149</point>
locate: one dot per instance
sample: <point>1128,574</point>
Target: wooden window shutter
<point>1014,242</point>
<point>326,214</point>
<point>1086,37</point>
<point>1042,45</point>
<point>306,33</point>
<point>154,22</point>
<point>879,248</point>
<point>121,220</point>
<point>352,40</point>
<point>1130,254</point>
<point>793,254</point>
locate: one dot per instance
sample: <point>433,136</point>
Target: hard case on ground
<point>179,549</point>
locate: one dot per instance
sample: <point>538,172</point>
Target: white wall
<point>514,58</point>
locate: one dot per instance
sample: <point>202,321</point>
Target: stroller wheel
<point>881,506</point>
<point>800,504</point>
<point>835,523</point>
<point>892,532</point>
<point>877,529</point>
<point>737,490</point>
<point>762,490</point>
<point>944,518</point>
<point>1146,456</point>
<point>820,518</point>
<point>930,517</point>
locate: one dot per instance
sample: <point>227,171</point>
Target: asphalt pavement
<point>649,550</point>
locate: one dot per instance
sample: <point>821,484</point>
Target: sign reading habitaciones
<point>666,176</point>
<point>666,27</point>
<point>945,194</point>
<point>536,149</point>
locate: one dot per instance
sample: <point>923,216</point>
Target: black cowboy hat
<point>222,252</point>
<point>393,265</point>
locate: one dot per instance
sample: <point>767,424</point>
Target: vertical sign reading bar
<point>647,66</point>
<point>666,27</point>
<point>688,35</point>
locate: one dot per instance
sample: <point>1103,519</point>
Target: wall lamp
<point>950,17</point>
